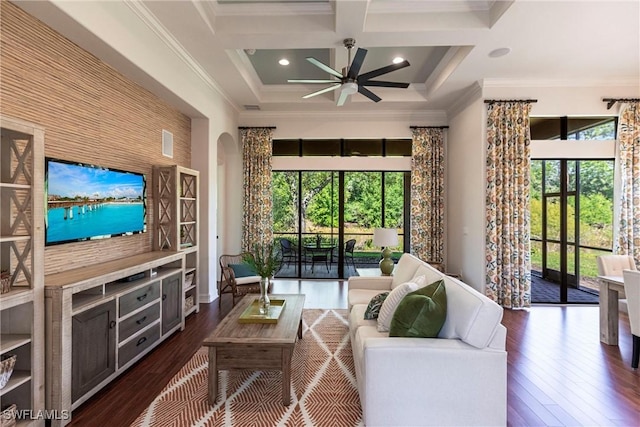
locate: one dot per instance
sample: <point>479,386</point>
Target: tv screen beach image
<point>86,202</point>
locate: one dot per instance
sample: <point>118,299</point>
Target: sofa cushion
<point>421,313</point>
<point>429,272</point>
<point>356,320</point>
<point>373,308</point>
<point>391,302</point>
<point>471,316</point>
<point>361,296</point>
<point>405,269</point>
<point>242,270</point>
<point>248,279</point>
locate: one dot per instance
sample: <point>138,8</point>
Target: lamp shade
<point>385,237</point>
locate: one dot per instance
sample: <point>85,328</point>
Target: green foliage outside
<point>319,202</point>
<point>363,200</point>
<point>596,212</point>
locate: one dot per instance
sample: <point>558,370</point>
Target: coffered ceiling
<point>449,44</point>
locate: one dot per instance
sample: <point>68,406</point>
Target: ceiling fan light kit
<point>350,81</point>
<point>349,88</point>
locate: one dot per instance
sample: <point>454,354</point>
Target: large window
<point>320,211</point>
<point>571,208</point>
<point>573,128</point>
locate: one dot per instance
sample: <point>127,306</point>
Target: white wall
<point>344,124</point>
<point>465,195</point>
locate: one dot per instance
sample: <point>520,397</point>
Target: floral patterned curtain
<point>508,274</point>
<point>427,194</point>
<point>628,242</point>
<point>257,226</point>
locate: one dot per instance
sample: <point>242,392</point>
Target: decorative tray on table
<point>252,313</point>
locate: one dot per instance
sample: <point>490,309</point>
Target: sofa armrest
<point>382,283</point>
<point>401,375</point>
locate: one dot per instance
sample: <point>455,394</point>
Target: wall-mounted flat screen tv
<point>86,202</point>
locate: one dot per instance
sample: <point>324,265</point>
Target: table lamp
<point>386,238</point>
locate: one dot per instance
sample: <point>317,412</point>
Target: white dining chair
<point>613,265</point>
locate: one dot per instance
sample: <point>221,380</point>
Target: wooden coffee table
<point>256,346</point>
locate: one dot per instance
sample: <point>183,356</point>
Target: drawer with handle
<point>136,299</point>
<point>138,344</point>
<point>138,321</point>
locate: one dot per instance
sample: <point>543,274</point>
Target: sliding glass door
<point>324,220</point>
<point>571,224</point>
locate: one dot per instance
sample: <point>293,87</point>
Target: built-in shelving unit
<point>176,192</point>
<point>103,318</point>
<point>21,255</point>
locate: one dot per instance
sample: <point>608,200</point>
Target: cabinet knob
<point>141,297</point>
<point>141,340</point>
<point>164,297</point>
<point>112,324</point>
<point>140,321</point>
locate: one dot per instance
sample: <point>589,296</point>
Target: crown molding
<point>149,19</point>
<point>470,95</point>
<point>205,10</point>
<point>271,9</point>
<point>509,83</point>
<point>420,6</point>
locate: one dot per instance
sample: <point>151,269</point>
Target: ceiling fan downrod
<point>349,44</point>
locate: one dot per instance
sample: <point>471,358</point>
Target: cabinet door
<point>93,348</point>
<point>171,302</point>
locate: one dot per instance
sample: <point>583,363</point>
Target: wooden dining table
<point>610,286</point>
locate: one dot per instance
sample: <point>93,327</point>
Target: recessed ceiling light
<point>283,61</point>
<point>497,53</point>
<point>398,59</point>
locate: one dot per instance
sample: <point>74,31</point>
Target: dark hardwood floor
<point>559,374</point>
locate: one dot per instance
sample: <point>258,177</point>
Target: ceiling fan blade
<point>380,83</point>
<point>321,91</point>
<point>311,81</point>
<point>383,70</point>
<point>342,99</point>
<point>324,67</point>
<point>366,92</point>
<point>356,64</point>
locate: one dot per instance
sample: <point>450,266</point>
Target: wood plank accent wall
<point>91,114</point>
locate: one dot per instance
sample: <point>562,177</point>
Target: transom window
<point>342,147</point>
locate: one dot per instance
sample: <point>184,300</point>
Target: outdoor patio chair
<point>237,278</point>
<point>349,246</point>
<point>288,251</point>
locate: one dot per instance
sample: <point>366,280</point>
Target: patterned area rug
<point>323,386</point>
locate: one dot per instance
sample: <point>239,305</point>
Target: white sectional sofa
<point>457,379</point>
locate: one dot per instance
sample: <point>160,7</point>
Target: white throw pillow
<point>395,296</point>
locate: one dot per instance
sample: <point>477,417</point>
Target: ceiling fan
<point>349,82</point>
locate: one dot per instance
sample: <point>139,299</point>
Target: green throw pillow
<point>421,313</point>
<point>242,270</point>
<point>373,309</point>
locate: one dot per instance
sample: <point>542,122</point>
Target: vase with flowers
<point>265,262</point>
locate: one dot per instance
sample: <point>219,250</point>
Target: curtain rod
<point>491,101</point>
<point>428,127</point>
<point>256,127</point>
<point>611,101</point>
